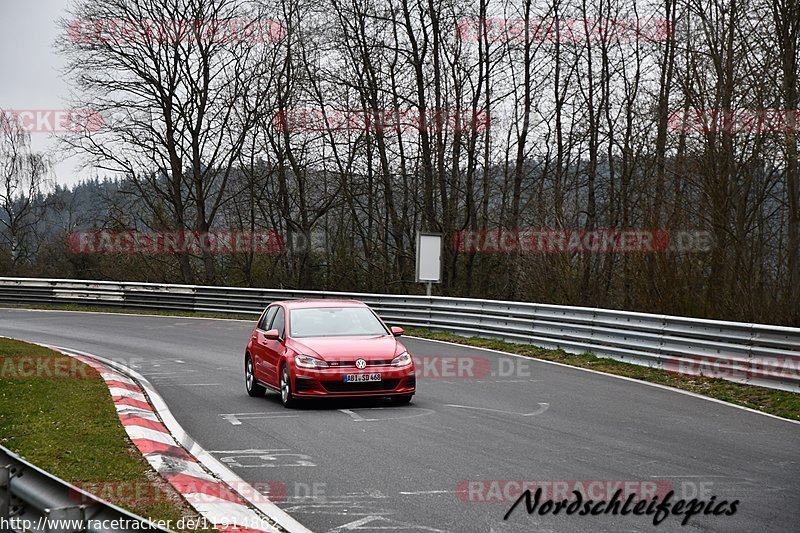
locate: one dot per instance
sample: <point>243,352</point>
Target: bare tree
<point>180,84</point>
<point>21,190</point>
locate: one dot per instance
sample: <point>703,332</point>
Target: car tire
<point>402,400</point>
<point>287,398</point>
<point>254,389</point>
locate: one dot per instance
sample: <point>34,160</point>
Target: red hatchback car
<point>325,348</point>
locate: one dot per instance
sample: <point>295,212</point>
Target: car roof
<point>311,303</point>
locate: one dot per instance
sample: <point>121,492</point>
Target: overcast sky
<point>30,70</point>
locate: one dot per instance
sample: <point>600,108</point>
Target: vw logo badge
<point>361,364</point>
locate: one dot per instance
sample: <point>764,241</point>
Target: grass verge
<point>57,413</point>
<point>775,402</point>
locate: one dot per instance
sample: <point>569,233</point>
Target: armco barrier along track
<point>750,353</point>
<point>31,500</point>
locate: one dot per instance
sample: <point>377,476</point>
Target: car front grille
<point>352,363</point>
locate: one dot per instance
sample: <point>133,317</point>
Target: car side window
<point>279,322</point>
<point>267,318</point>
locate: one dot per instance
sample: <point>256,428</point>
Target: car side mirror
<point>397,331</point>
<point>272,335</point>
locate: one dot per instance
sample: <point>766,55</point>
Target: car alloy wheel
<point>286,388</point>
<point>253,388</point>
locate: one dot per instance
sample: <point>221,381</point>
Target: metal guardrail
<point>31,500</point>
<point>757,354</point>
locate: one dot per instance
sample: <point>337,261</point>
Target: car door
<point>259,346</point>
<point>273,349</point>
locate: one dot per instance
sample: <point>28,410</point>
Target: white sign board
<point>429,257</point>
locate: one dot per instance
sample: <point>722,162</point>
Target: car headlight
<point>306,361</point>
<point>404,359</point>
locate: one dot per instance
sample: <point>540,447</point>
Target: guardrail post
<point>430,311</point>
<point>751,338</point>
<point>5,492</point>
<point>661,335</point>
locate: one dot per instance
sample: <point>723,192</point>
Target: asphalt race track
<point>371,466</point>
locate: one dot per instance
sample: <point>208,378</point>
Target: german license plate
<point>360,378</point>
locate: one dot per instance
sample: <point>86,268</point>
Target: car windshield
<point>335,322</point>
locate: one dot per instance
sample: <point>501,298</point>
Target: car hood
<point>350,348</point>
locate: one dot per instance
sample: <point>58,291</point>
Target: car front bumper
<point>330,382</point>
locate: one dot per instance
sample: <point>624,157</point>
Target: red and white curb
<point>219,495</point>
